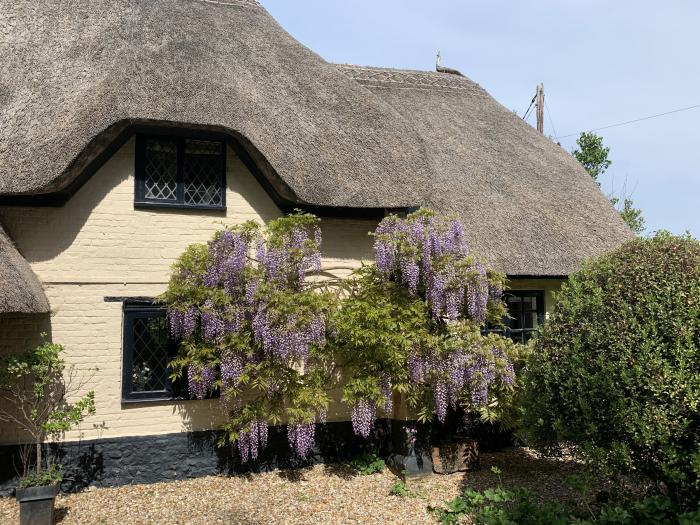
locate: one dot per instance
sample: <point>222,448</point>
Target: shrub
<point>615,374</point>
<point>368,463</point>
<point>34,390</point>
<point>499,506</point>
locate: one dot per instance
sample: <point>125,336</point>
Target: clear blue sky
<point>601,62</point>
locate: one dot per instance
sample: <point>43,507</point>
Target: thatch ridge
<point>20,289</point>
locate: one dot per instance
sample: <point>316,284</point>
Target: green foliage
<point>631,215</point>
<point>400,489</point>
<point>47,476</point>
<point>380,324</point>
<point>268,389</point>
<point>594,157</point>
<point>34,387</point>
<point>592,154</point>
<point>368,463</point>
<point>376,328</point>
<point>375,323</point>
<point>615,374</point>
<point>499,506</point>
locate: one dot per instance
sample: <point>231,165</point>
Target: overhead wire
<point>549,115</point>
<point>687,108</point>
<point>527,111</point>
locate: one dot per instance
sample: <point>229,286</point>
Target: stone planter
<point>36,504</point>
<point>455,457</point>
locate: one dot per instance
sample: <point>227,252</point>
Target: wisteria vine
<point>255,329</point>
<point>249,320</point>
<point>426,282</point>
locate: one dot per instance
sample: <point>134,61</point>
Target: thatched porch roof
<point>20,289</point>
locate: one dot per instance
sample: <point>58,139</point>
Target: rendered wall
<point>98,245</point>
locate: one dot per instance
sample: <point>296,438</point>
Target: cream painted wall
<point>98,245</point>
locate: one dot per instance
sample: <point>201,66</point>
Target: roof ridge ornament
<point>443,69</point>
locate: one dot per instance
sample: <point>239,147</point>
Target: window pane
<point>160,170</point>
<point>150,354</point>
<point>515,311</point>
<point>527,312</point>
<point>530,302</point>
<point>530,320</point>
<point>202,172</point>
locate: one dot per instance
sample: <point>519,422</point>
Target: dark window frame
<point>140,199</point>
<point>517,333</point>
<point>140,310</point>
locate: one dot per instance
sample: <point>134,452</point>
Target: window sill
<point>145,400</point>
<point>178,206</point>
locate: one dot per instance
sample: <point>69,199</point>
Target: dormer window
<point>180,172</point>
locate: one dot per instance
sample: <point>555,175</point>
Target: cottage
<point>133,129</point>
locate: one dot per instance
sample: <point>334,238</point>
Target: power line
<point>551,122</point>
<point>527,111</point>
<point>631,121</point>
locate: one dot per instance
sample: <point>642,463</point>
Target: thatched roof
<point>20,290</point>
<point>77,75</point>
<point>74,69</point>
<point>526,203</point>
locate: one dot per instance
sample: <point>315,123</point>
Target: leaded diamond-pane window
<point>160,170</point>
<point>202,172</point>
<point>180,172</point>
<point>147,351</point>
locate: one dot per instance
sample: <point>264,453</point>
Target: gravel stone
<point>323,494</point>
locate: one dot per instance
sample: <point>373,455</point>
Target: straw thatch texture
<point>20,290</point>
<point>325,135</point>
<point>528,205</point>
<point>74,68</point>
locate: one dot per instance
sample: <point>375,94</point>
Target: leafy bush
<point>499,506</point>
<point>399,489</point>
<point>615,374</point>
<point>48,476</point>
<point>411,324</point>
<point>255,326</point>
<point>368,463</point>
<point>34,391</point>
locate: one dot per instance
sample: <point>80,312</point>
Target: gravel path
<point>330,494</point>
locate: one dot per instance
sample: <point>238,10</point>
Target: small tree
<point>593,156</point>
<point>34,387</point>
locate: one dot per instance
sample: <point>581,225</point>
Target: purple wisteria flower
<point>301,438</point>
<point>200,384</point>
<point>429,255</point>
<point>364,412</point>
<point>251,441</point>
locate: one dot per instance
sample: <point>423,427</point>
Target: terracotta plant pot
<point>36,504</point>
<point>455,457</point>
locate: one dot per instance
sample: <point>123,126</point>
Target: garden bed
<point>329,494</point>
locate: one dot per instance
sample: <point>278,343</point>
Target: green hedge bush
<point>615,374</point>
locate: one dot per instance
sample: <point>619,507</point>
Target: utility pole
<point>539,97</point>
